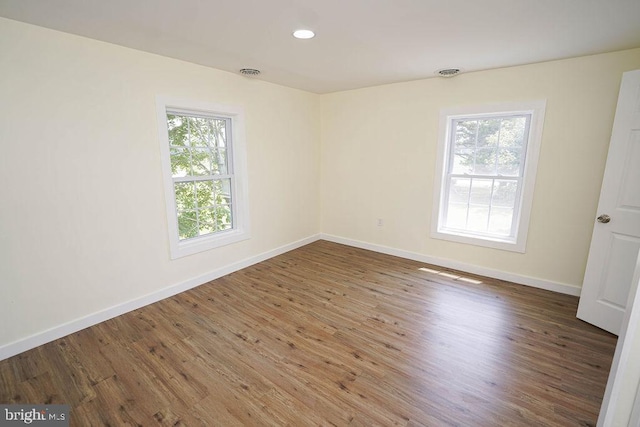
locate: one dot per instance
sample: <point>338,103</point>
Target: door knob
<point>604,218</point>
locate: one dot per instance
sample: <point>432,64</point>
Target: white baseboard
<point>19,346</point>
<point>457,265</point>
<point>59,331</point>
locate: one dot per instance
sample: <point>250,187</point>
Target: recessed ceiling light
<point>304,34</point>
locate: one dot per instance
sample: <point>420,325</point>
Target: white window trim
<point>240,206</point>
<point>537,111</point>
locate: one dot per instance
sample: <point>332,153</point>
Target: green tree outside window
<point>200,171</point>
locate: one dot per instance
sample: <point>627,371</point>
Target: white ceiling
<point>359,43</point>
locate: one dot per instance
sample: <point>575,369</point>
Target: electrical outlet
<point>380,222</point>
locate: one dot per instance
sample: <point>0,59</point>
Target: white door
<point>618,405</point>
<point>616,235</point>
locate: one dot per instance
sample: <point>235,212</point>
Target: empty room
<point>296,212</point>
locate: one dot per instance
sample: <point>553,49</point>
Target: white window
<point>487,158</point>
<point>203,160</point>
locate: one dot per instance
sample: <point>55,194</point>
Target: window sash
<point>189,178</point>
<point>490,206</point>
<point>229,176</point>
<point>443,220</point>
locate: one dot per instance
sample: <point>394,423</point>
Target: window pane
<point>187,224</point>
<point>205,193</point>
<point>224,192</point>
<point>207,223</point>
<point>478,218</point>
<point>457,216</point>
<point>213,158</point>
<point>488,132</point>
<point>180,162</point>
<point>201,161</point>
<point>459,190</point>
<point>178,134</point>
<point>464,146</point>
<point>219,133</point>
<point>504,193</point>
<point>500,221</point>
<point>485,162</point>
<point>512,132</point>
<point>481,192</point>
<point>462,162</point>
<point>224,219</point>
<point>220,160</point>
<point>466,134</point>
<point>185,195</point>
<point>509,162</point>
<point>199,131</point>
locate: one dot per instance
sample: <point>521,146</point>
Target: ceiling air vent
<point>249,72</point>
<point>448,72</point>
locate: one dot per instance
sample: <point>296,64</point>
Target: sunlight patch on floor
<point>451,275</point>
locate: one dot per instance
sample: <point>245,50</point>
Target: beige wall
<point>379,152</point>
<point>82,214</point>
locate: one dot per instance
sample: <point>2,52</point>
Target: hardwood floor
<point>329,335</point>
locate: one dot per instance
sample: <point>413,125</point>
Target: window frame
<point>236,158</point>
<point>524,196</point>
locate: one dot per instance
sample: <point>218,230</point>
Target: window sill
<point>484,241</point>
<point>204,243</point>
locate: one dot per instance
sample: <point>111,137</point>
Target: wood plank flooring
<point>329,335</point>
